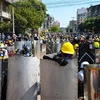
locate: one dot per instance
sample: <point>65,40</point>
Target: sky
<point>65,14</point>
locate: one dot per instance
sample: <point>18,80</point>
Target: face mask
<point>67,58</point>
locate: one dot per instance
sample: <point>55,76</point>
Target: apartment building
<point>73,24</point>
<point>93,11</point>
<point>81,15</point>
<point>4,10</point>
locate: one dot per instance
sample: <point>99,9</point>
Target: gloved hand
<point>47,57</point>
<point>60,60</point>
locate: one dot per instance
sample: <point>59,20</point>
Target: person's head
<point>67,50</point>
<point>96,44</point>
<point>84,63</point>
<point>76,46</point>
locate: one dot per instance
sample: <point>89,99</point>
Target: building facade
<point>73,25</point>
<point>56,23</point>
<point>49,20</point>
<point>81,15</point>
<point>93,11</point>
<point>4,10</point>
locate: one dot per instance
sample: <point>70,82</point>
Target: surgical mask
<point>67,58</point>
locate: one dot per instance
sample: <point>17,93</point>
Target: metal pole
<point>13,19</point>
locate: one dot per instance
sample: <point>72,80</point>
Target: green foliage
<point>69,29</point>
<point>55,28</point>
<point>29,14</point>
<point>81,27</point>
<point>5,26</point>
<point>91,24</point>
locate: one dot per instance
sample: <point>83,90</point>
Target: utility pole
<point>13,19</point>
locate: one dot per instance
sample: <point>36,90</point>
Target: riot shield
<point>57,82</point>
<point>28,43</point>
<point>0,77</point>
<point>19,45</point>
<point>4,79</point>
<point>42,50</point>
<point>86,53</point>
<point>57,47</point>
<point>50,47</point>
<point>22,78</point>
<point>92,83</point>
<point>37,48</point>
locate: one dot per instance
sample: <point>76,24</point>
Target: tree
<point>69,29</point>
<point>89,24</point>
<point>29,14</point>
<point>5,26</point>
<point>81,27</point>
<point>55,28</point>
<point>97,24</point>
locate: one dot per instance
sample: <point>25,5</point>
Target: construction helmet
<point>84,63</point>
<point>96,44</point>
<point>67,48</point>
<point>76,46</point>
<point>81,75</point>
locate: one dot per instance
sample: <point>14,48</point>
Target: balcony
<point>9,1</point>
<point>5,15</point>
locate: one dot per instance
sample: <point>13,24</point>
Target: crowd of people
<point>74,39</point>
<point>14,37</point>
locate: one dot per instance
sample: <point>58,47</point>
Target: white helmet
<point>84,63</point>
<point>81,75</point>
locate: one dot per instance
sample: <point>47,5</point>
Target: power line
<point>76,1</point>
<point>62,2</point>
<point>73,4</point>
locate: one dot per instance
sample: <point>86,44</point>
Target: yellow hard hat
<point>96,44</point>
<point>76,46</point>
<point>67,48</point>
<point>1,45</point>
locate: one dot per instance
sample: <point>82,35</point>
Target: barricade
<point>57,82</point>
<point>92,82</point>
<point>22,78</point>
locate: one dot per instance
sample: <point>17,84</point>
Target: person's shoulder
<point>49,56</point>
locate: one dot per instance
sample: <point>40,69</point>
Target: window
<point>5,7</point>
